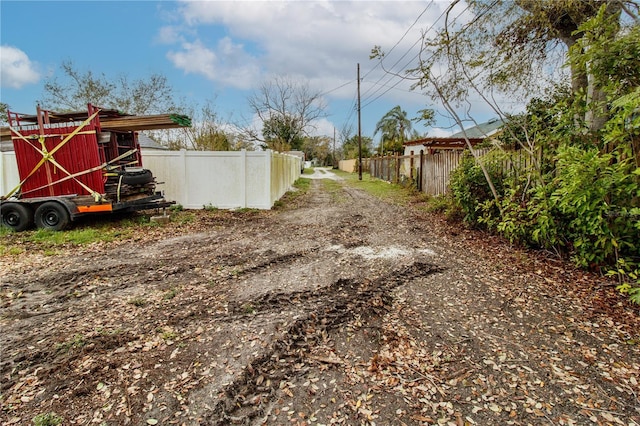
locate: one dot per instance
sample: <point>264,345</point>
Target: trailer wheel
<point>52,216</point>
<point>16,216</point>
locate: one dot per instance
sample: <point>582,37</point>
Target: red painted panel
<point>77,155</point>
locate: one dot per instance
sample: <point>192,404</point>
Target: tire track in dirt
<point>250,395</point>
<point>342,308</point>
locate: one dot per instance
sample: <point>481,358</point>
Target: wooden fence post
<point>420,170</point>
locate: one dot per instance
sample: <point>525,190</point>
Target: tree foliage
<point>3,113</point>
<point>350,147</point>
<point>282,133</point>
<point>519,48</point>
<point>206,132</point>
<point>319,148</point>
<point>582,193</point>
<point>75,89</point>
<point>152,95</point>
<point>571,182</point>
<point>288,111</point>
<point>395,128</point>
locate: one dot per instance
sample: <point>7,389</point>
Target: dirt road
<point>337,309</point>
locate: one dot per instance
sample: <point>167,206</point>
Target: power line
<point>404,55</point>
<point>482,13</point>
<point>337,88</point>
<point>403,36</point>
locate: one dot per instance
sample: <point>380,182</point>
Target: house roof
<point>444,143</point>
<point>147,143</point>
<point>475,134</point>
<point>482,130</point>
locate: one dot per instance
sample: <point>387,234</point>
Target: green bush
<point>470,189</point>
<point>595,192</point>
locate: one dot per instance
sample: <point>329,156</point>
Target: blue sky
<point>223,51</point>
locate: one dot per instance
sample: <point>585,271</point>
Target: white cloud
<point>169,35</point>
<point>320,40</point>
<point>324,127</point>
<point>319,43</point>
<point>227,63</point>
<point>16,70</point>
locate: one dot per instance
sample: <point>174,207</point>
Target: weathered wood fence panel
<point>436,170</point>
<point>430,172</point>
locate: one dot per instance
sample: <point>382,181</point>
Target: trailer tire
<point>16,216</point>
<point>137,178</point>
<point>52,216</point>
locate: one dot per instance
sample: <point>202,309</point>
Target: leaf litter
<point>321,313</point>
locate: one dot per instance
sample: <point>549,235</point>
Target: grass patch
<point>169,335</point>
<point>248,309</point>
<point>302,184</point>
<point>6,231</point>
<point>308,171</point>
<point>171,293</point>
<point>77,237</point>
<point>10,250</point>
<point>334,188</point>
<point>47,419</point>
<point>389,192</point>
<point>183,218</point>
<point>76,342</point>
<point>47,241</point>
<point>138,301</point>
<point>247,210</point>
<point>109,332</point>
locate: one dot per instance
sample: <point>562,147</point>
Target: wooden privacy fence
<point>430,172</point>
<point>351,165</point>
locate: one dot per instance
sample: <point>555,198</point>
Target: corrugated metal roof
<point>482,130</point>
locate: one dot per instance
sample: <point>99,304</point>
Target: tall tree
<point>282,133</point>
<point>319,148</point>
<point>394,128</point>
<point>518,46</point>
<point>287,110</point>
<point>350,147</point>
<point>206,132</point>
<point>74,89</point>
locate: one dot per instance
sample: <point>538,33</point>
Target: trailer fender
<point>71,207</point>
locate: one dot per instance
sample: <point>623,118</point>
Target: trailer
<point>79,163</point>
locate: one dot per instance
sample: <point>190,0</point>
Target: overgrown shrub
<point>595,192</point>
<point>581,192</point>
<point>470,188</point>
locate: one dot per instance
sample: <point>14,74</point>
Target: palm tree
<point>395,127</point>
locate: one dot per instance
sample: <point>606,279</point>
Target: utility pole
<point>333,163</point>
<point>359,131</point>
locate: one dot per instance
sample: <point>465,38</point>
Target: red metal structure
<point>76,163</point>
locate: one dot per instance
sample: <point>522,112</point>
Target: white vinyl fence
<point>8,172</point>
<point>194,179</point>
